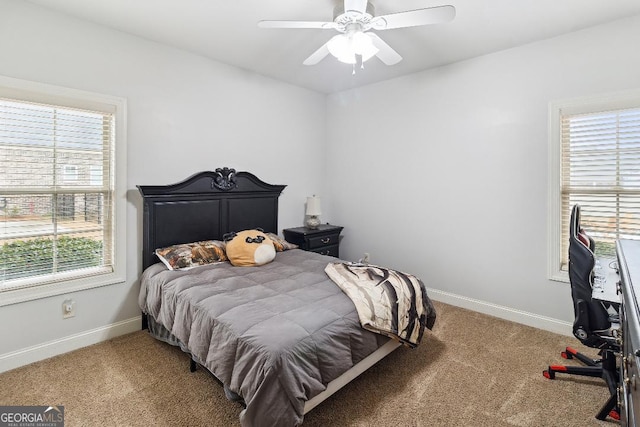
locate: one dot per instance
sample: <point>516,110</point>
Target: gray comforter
<point>274,334</point>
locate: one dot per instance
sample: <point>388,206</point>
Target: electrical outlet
<point>68,308</point>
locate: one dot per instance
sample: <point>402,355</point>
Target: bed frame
<point>209,204</point>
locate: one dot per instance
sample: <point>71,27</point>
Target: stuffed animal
<point>249,248</point>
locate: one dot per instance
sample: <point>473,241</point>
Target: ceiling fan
<point>354,19</point>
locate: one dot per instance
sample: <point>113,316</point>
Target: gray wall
<point>185,114</point>
<point>443,173</point>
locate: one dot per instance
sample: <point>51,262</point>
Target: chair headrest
<point>577,234</point>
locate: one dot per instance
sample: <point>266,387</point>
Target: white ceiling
<point>227,31</point>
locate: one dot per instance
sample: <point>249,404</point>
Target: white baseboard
<point>507,313</point>
<point>43,351</point>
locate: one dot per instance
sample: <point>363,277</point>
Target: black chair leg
<point>609,409</point>
<point>570,353</point>
<point>604,368</point>
<point>584,371</point>
<point>611,375</point>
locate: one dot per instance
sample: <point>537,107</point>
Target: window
<point>62,190</point>
<point>95,175</point>
<point>595,162</point>
<point>69,173</point>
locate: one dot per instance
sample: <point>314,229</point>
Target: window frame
<point>73,98</point>
<point>582,105</point>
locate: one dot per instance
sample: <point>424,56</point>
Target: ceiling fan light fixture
<point>347,59</point>
<point>363,45</point>
<point>345,47</point>
<point>338,45</point>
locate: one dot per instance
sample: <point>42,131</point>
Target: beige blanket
<point>388,302</point>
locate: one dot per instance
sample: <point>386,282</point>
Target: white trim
<point>14,296</point>
<point>58,95</point>
<point>530,319</point>
<point>49,349</point>
<point>588,104</point>
<point>554,222</point>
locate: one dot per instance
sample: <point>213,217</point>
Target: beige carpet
<point>472,370</point>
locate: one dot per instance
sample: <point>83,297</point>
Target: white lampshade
<point>339,47</point>
<point>345,47</point>
<point>363,45</point>
<point>313,206</point>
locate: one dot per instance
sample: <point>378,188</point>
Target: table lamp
<point>313,210</point>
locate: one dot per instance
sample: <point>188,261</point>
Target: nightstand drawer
<point>328,250</point>
<point>324,240</point>
<point>321,241</point>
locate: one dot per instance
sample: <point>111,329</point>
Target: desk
<point>609,291</point>
<point>628,252</point>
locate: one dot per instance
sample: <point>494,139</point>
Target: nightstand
<point>324,240</point>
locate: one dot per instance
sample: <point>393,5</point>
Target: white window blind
<point>56,193</point>
<point>600,170</point>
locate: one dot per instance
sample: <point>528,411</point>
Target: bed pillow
<point>249,248</point>
<point>280,244</point>
<point>189,255</point>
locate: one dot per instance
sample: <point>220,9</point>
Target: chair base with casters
<point>604,368</point>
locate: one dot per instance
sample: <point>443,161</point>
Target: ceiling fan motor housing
<point>343,18</point>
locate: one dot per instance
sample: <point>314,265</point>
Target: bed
<point>281,337</point>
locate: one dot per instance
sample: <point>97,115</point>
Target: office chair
<point>592,325</point>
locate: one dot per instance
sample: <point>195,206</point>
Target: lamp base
<point>313,222</point>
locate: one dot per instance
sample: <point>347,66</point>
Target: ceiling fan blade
<point>317,56</point>
<point>414,18</point>
<point>358,6</point>
<point>297,24</point>
<point>385,52</point>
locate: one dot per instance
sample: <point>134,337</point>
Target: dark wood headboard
<point>205,206</point>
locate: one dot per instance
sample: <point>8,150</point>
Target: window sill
<point>560,276</point>
<point>17,296</point>
<point>563,276</point>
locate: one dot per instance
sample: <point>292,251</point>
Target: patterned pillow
<point>280,244</point>
<point>190,255</point>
